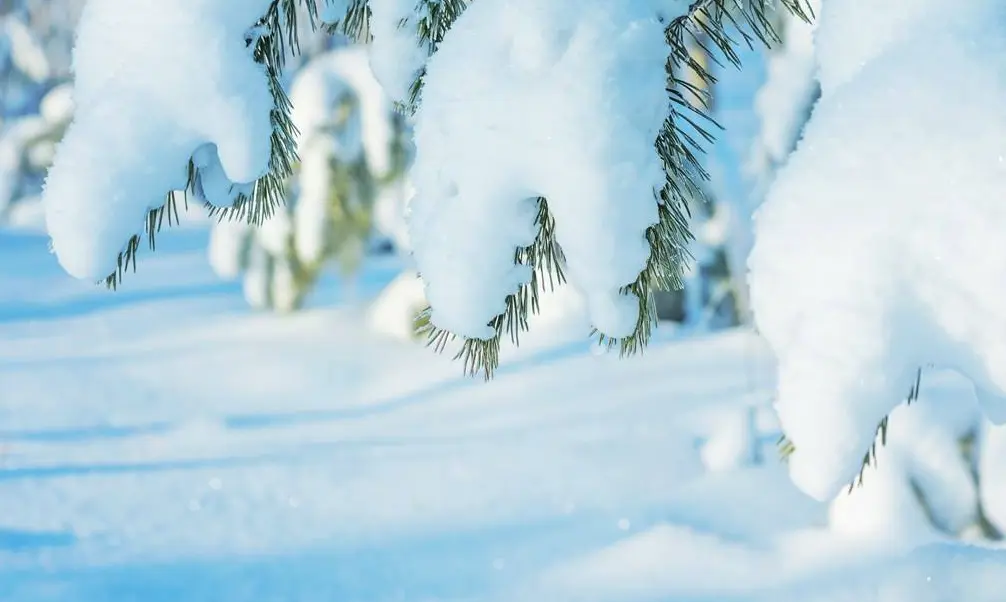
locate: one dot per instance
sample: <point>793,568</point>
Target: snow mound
<point>155,82</point>
<point>878,250</point>
<point>524,98</point>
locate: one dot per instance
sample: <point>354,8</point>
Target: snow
<point>395,52</point>
<point>733,444</point>
<point>496,129</point>
<point>889,25</point>
<point>785,99</point>
<point>922,457</point>
<point>154,83</point>
<point>165,443</point>
<point>876,248</point>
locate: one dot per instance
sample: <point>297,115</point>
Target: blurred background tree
<point>36,40</point>
<point>354,151</point>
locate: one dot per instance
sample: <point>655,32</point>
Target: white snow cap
<point>155,81</point>
<point>879,248</point>
<point>562,99</point>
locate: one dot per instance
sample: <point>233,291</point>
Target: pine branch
<point>275,38</point>
<point>680,146</point>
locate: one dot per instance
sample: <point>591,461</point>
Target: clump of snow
<point>877,250</point>
<point>782,106</point>
<point>395,52</point>
<point>154,82</point>
<point>523,99</point>
<point>783,102</point>
<point>921,487</point>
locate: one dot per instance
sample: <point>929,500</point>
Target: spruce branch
<point>273,39</point>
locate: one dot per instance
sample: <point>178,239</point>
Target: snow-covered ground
<point>165,443</point>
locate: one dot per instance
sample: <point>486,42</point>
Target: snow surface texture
<point>523,99</point>
<point>155,82</point>
<point>877,251</point>
<point>138,464</point>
